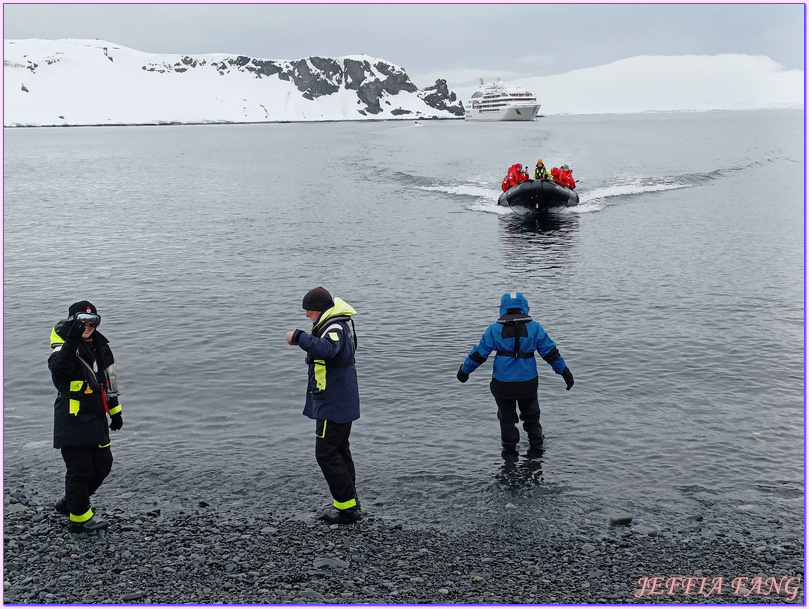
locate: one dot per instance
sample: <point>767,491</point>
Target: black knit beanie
<point>317,299</point>
<point>83,306</point>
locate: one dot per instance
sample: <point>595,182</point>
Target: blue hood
<point>513,300</point>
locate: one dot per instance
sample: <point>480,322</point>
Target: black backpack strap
<point>517,354</point>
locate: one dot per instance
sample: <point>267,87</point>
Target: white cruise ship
<point>499,101</point>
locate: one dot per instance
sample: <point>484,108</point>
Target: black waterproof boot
<point>61,507</point>
<point>536,445</point>
<point>535,451</point>
<point>88,526</point>
<point>336,516</point>
<point>509,450</point>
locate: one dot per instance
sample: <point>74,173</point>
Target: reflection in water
<point>519,475</point>
<point>543,222</point>
<point>539,241</point>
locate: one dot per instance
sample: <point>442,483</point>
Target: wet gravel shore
<point>202,557</point>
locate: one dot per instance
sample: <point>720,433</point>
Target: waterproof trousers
<point>335,461</point>
<point>87,467</point>
<point>511,396</point>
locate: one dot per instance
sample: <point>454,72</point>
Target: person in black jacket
<point>83,370</point>
<point>332,396</point>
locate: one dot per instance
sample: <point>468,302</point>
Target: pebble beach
<point>204,557</point>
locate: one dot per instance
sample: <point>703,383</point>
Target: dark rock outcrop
<point>317,77</point>
<point>440,97</point>
<point>324,77</point>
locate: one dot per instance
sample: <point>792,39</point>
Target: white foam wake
<point>620,190</point>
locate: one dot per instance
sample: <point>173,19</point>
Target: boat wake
<point>598,198</point>
<point>476,195</point>
<point>481,194</point>
<point>638,185</point>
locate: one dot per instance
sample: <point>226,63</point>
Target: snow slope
<point>671,83</point>
<point>91,82</point>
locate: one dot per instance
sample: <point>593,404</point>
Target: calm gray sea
<point>675,293</point>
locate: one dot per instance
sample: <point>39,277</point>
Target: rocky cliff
<point>97,82</point>
<point>317,77</point>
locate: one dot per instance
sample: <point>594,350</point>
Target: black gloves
<point>74,332</point>
<point>117,422</point>
<point>568,376</point>
<point>462,376</point>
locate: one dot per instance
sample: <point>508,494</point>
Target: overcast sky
<point>458,42</point>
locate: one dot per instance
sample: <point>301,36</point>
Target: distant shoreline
<point>196,123</point>
<point>400,120</point>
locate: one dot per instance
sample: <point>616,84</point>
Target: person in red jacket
<point>567,173</point>
<point>515,176</point>
<point>563,176</point>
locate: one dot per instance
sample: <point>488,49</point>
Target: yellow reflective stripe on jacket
<point>115,410</point>
<point>83,517</point>
<point>320,365</point>
<point>320,374</point>
<point>75,387</point>
<point>344,505</point>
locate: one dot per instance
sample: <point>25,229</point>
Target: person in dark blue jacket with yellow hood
<point>514,338</point>
<point>332,396</point>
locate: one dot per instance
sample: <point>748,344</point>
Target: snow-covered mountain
<point>93,82</point>
<point>659,83</point>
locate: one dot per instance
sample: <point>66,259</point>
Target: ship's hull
<point>508,113</point>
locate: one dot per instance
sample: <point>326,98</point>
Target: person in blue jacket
<point>332,396</point>
<point>514,338</point>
